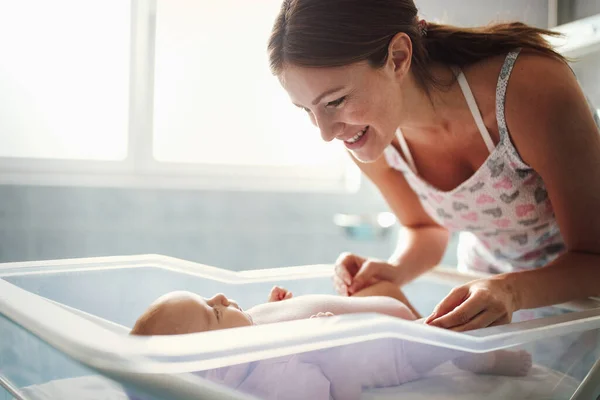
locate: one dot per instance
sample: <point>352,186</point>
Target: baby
<point>183,312</point>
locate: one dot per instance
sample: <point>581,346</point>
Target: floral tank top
<point>503,207</point>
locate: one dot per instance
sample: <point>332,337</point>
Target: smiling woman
<point>461,130</point>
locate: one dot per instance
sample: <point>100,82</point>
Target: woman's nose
<point>329,128</point>
<point>330,131</point>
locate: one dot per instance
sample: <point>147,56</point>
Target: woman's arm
<point>554,131</point>
<point>573,275</point>
<point>556,135</point>
<point>421,246</point>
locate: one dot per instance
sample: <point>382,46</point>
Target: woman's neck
<point>434,111</point>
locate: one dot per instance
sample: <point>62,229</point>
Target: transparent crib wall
<point>385,369</point>
<point>26,362</point>
<point>121,295</point>
<point>382,368</point>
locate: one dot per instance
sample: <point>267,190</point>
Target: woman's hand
<point>354,273</point>
<point>477,304</point>
<point>278,294</point>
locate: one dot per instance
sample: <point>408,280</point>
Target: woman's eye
<point>336,103</point>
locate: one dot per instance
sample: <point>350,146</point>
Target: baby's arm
<point>384,298</point>
<point>387,289</point>
<point>278,294</point>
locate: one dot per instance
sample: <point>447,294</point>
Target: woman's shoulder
<point>531,70</point>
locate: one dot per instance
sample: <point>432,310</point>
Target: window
<point>64,80</point>
<point>154,93</point>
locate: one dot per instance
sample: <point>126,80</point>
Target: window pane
<point>215,99</point>
<point>64,78</point>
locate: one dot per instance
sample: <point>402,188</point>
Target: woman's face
<point>357,104</point>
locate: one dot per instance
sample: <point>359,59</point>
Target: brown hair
<point>331,33</point>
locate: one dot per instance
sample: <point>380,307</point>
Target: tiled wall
<point>587,70</point>
<point>585,8</point>
<point>227,229</point>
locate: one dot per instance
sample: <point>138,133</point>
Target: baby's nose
<point>220,298</point>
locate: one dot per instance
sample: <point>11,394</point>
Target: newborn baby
<point>184,312</point>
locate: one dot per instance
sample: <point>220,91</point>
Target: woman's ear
<point>400,54</point>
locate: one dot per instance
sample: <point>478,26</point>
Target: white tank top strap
<point>406,151</point>
<point>466,89</point>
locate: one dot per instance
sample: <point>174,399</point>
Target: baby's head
<point>184,312</point>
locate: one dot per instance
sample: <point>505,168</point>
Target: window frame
<point>139,169</point>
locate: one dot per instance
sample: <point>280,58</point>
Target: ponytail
<point>452,45</point>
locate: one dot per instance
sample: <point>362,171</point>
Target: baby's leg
<point>387,289</point>
<point>423,358</point>
<point>500,362</point>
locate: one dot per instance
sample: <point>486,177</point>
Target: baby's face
<point>224,313</point>
<point>184,312</point>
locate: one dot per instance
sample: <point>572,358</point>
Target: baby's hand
<point>278,293</point>
<point>322,314</point>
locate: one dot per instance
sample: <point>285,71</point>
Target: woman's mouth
<point>357,140</point>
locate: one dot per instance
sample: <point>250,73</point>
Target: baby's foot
<point>501,362</point>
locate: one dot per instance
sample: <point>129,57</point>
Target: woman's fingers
<point>482,320</point>
<point>340,287</point>
<point>453,300</point>
<point>460,315</point>
<point>347,265</point>
<point>503,320</point>
<point>353,273</point>
<point>371,271</point>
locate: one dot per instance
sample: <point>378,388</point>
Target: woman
<point>480,130</point>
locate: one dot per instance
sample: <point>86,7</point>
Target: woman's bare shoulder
<point>531,68</point>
